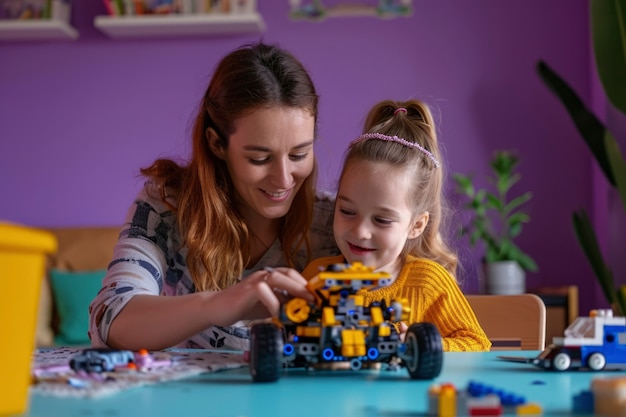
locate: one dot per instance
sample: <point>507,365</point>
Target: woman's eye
<point>346,212</point>
<point>259,161</point>
<point>298,157</point>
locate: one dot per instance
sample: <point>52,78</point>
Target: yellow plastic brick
<point>529,409</point>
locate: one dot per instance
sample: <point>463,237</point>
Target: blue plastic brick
<point>582,403</point>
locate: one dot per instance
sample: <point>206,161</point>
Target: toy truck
<point>108,360</point>
<point>595,342</point>
<point>340,327</point>
<point>101,360</point>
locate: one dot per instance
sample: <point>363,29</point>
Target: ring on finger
<point>281,292</point>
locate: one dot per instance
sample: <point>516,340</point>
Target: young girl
<point>387,216</point>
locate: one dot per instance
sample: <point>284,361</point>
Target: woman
<point>188,269</point>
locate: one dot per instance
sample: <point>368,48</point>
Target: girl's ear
<point>419,224</point>
<point>215,142</point>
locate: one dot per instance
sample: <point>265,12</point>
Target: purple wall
<point>79,118</point>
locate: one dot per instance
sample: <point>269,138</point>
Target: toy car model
<point>595,342</point>
<point>101,360</point>
<point>340,327</point>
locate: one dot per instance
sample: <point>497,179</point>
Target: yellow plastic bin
<point>23,253</point>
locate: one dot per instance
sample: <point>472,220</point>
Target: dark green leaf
<point>494,202</point>
<point>527,263</point>
<point>505,248</point>
<point>464,184</point>
<point>608,27</point>
<point>511,181</point>
<point>503,163</point>
<point>475,236</point>
<point>621,299</point>
<point>517,202</point>
<point>587,239</point>
<point>618,165</point>
<point>515,229</point>
<point>590,128</point>
<point>518,218</point>
<point>491,255</point>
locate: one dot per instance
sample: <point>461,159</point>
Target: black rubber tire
<point>266,352</point>
<point>425,347</point>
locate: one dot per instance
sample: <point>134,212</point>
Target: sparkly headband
<point>396,139</point>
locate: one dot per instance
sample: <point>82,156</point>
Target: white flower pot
<point>505,277</point>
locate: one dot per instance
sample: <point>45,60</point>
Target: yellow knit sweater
<point>434,296</point>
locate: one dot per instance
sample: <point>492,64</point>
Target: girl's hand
<point>260,294</point>
<point>402,329</point>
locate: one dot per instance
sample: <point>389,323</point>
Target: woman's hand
<point>157,322</point>
<point>260,295</point>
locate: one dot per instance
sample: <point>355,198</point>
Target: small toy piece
<point>530,409</point>
<point>43,371</point>
<point>478,399</point>
<point>582,403</point>
<point>340,327</point>
<point>144,361</point>
<point>609,396</point>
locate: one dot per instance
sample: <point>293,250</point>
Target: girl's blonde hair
<point>413,122</point>
<point>216,235</point>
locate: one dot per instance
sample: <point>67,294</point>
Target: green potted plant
<point>608,30</point>
<point>496,220</point>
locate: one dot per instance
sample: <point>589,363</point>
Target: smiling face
<point>269,156</point>
<point>373,219</point>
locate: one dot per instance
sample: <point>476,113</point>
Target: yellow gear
<point>297,310</point>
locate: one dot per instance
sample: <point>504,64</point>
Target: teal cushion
<point>73,292</point>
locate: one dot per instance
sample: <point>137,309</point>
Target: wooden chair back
<point>511,322</point>
<point>561,308</point>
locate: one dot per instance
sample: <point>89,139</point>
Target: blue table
<point>301,393</point>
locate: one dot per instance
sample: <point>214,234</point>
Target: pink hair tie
<point>399,109</point>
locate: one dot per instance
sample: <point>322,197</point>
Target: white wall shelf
<point>179,25</point>
<point>36,30</point>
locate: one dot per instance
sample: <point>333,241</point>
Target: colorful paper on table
<point>67,383</point>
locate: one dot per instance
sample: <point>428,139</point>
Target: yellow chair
<point>511,322</point>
